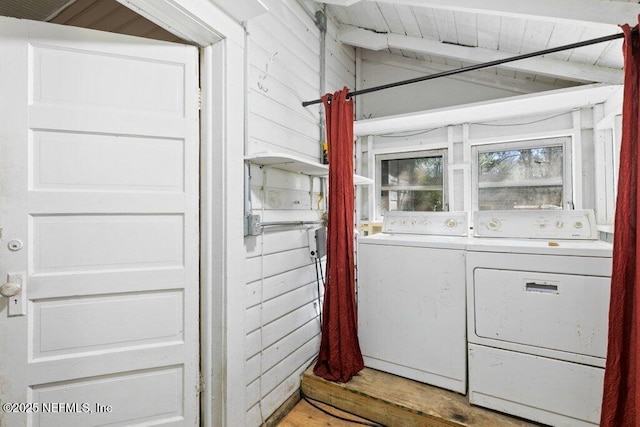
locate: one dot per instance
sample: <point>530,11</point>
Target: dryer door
<point>561,312</point>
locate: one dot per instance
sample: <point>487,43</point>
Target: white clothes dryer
<point>538,299</point>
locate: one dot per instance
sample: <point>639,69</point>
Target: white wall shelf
<point>296,164</point>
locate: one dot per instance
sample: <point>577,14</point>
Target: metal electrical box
<point>317,242</point>
<point>252,225</point>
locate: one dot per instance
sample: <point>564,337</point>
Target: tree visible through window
<point>412,183</point>
<point>521,178</point>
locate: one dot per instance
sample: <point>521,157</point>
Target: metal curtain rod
<point>478,66</point>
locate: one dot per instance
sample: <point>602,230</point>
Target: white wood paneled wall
<point>284,51</point>
<point>281,296</point>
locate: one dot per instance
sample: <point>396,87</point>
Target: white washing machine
<point>411,297</point>
<point>538,299</point>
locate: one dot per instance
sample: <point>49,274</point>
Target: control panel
<point>538,224</point>
<point>429,223</point>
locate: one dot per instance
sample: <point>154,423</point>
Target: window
<point>411,181</point>
<point>523,175</point>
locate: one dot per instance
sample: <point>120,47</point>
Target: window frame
<point>529,143</point>
<point>400,155</point>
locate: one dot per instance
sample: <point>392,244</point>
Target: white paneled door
<point>98,228</point>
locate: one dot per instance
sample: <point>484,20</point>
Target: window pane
<point>516,165</point>
<point>501,198</point>
<point>416,171</point>
<point>523,178</point>
<point>412,182</point>
<point>411,201</point>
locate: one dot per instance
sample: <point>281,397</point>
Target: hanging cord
<point>262,418</point>
<point>318,283</point>
<point>260,397</point>
<point>522,123</point>
<point>405,135</point>
<point>324,288</point>
<point>313,402</point>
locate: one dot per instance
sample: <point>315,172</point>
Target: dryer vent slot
<point>546,288</point>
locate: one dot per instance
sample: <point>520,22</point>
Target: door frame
<point>222,138</point>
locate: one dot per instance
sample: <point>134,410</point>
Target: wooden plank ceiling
<point>104,15</point>
<point>456,33</point>
<point>429,35</point>
<point>37,10</point>
<point>111,16</point>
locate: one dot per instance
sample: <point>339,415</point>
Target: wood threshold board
<point>395,401</point>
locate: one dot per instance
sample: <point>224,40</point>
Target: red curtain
<point>621,399</point>
<point>339,358</point>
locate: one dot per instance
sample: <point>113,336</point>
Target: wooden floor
<point>389,401</point>
<point>306,415</point>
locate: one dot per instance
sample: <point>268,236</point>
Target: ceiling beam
<point>517,106</point>
<point>609,13</point>
<point>539,65</point>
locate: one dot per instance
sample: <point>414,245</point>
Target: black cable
<point>363,423</point>
<point>522,123</point>
<point>400,135</point>
<point>318,283</point>
<point>324,285</point>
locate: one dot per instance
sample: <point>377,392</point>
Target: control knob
<point>493,224</point>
